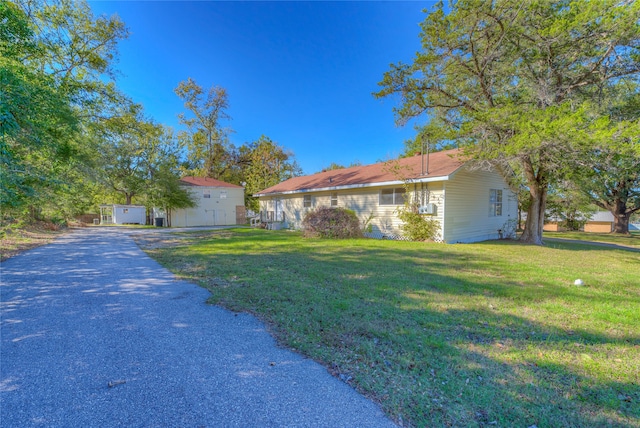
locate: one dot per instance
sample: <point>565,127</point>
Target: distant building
<point>600,222</point>
<point>123,214</point>
<point>218,204</point>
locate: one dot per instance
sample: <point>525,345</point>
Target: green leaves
<point>36,132</point>
<point>54,57</point>
<point>206,139</point>
<point>520,83</point>
<point>16,38</point>
<point>265,164</point>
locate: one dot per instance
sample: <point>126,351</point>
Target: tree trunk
<point>128,197</point>
<point>535,215</point>
<point>620,218</point>
<point>535,218</point>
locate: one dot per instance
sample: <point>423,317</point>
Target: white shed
<point>123,214</point>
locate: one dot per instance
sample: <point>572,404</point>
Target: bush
<point>327,222</point>
<point>417,227</point>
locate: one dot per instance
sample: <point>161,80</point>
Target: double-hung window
<point>334,199</point>
<point>495,202</point>
<point>306,201</point>
<point>392,196</point>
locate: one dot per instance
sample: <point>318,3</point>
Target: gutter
<point>356,186</point>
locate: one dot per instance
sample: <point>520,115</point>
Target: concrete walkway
<point>96,334</point>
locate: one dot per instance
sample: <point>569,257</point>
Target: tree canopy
<point>608,171</point>
<point>519,84</point>
<point>265,164</point>
<point>65,128</point>
<point>206,138</point>
<point>258,164</point>
<point>54,57</point>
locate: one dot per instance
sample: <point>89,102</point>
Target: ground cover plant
<point>17,237</point>
<point>488,334</point>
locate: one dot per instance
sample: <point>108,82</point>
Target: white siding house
<point>218,204</point>
<point>470,204</point>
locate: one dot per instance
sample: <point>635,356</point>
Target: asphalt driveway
<point>95,333</point>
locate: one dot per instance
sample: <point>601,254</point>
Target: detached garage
<point>218,204</point>
<point>600,222</point>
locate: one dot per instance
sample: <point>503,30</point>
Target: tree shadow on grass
<point>580,245</point>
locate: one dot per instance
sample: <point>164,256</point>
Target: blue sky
<point>301,73</point>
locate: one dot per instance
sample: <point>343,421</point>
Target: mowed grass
<point>630,240</point>
<point>489,334</point>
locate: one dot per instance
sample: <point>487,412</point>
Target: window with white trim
<point>206,194</point>
<point>392,196</point>
<point>495,202</point>
<point>306,201</point>
<point>334,199</point>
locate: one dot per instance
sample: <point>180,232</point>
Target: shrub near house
<point>327,222</point>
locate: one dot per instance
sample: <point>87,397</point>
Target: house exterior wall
<point>467,206</point>
<point>462,206</point>
<point>129,214</point>
<point>600,222</point>
<point>365,202</point>
<point>219,209</point>
<point>598,227</point>
<point>553,226</point>
<point>431,193</point>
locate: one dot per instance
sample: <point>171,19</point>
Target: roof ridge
<point>205,181</point>
<point>445,164</point>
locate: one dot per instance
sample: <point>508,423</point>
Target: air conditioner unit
<point>428,209</point>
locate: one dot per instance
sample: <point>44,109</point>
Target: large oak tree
<point>516,83</point>
<point>608,171</point>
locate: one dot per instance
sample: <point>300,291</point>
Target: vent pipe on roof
<point>425,157</point>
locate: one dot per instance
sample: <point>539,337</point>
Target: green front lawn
<point>631,240</point>
<point>489,334</point>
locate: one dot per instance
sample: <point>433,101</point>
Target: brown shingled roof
<point>206,182</point>
<point>441,165</point>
